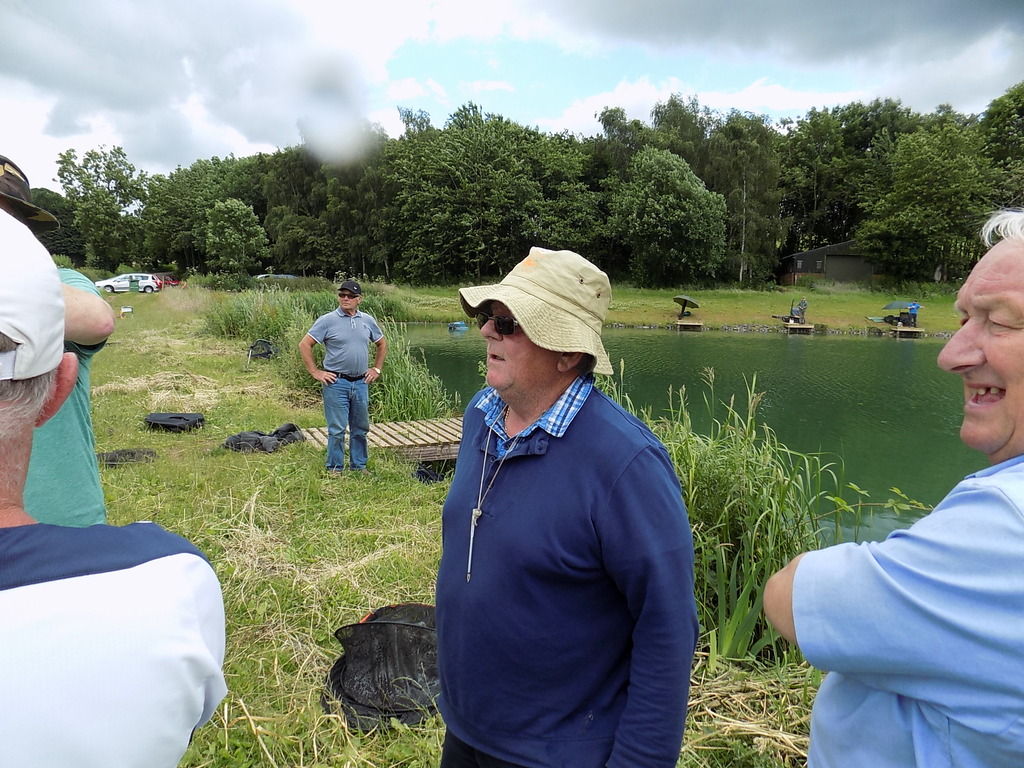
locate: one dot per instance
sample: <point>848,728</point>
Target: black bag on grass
<point>254,440</point>
<point>388,668</point>
<point>175,422</point>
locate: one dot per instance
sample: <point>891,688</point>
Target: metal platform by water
<point>906,332</point>
<point>424,440</point>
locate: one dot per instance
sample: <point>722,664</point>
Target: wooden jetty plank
<point>911,332</point>
<point>423,440</point>
<point>689,325</point>
<point>317,436</point>
<point>449,429</point>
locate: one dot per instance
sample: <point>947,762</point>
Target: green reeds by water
<point>753,505</point>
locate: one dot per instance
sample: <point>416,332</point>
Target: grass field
<point>300,553</point>
<point>840,307</point>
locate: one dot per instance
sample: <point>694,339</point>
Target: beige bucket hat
<point>559,298</point>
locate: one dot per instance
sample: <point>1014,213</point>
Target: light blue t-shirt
<point>346,340</point>
<point>923,636</point>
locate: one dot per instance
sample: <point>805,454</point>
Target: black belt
<point>346,377</point>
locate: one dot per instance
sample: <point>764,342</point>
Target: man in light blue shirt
<point>923,633</point>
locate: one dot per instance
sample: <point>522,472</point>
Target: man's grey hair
<point>1007,224</point>
<point>21,401</point>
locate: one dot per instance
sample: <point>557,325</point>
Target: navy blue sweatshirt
<point>572,643</point>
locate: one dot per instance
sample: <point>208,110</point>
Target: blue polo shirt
<point>346,340</point>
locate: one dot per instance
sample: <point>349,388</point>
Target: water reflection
<point>880,404</point>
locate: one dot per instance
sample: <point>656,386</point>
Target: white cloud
<point>636,98</point>
<point>968,80</point>
<point>483,86</point>
<point>405,89</point>
<point>774,100</point>
<point>175,80</point>
<point>438,90</point>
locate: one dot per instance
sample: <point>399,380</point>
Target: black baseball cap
<point>351,286</point>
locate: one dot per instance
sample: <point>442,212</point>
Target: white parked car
<point>147,283</point>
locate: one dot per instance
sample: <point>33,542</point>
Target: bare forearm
<point>88,319</point>
<point>778,600</point>
<point>380,353</point>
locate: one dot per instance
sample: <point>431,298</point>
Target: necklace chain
<point>482,493</point>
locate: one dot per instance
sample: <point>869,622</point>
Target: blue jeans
<point>347,405</point>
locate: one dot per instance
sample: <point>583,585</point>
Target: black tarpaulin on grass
<point>388,668</point>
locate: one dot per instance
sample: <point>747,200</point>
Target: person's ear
<point>63,383</point>
<point>569,360</point>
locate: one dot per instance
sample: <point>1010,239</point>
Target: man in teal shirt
<point>64,449</point>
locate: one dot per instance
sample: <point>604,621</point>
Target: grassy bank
<point>300,553</point>
<point>840,307</point>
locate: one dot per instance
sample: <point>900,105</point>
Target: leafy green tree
<point>684,128</point>
<point>357,211</point>
<point>743,165</point>
<point>568,214</point>
<point>827,158</point>
<point>1002,134</point>
<point>465,202</point>
<point>67,240</point>
<point>622,139</point>
<point>925,211</point>
<point>107,194</point>
<point>295,189</point>
<point>415,122</point>
<point>235,240</point>
<point>176,213</point>
<point>674,227</point>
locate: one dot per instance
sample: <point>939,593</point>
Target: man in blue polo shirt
<point>346,334</point>
<point>922,634</point>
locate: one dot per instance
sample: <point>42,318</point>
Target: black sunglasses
<point>504,325</point>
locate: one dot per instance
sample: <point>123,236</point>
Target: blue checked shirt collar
<point>555,420</point>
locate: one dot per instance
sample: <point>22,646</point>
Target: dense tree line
<point>694,196</point>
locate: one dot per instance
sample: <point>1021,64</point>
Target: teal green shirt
<point>63,486</point>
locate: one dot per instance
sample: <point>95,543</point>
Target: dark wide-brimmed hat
<point>14,187</point>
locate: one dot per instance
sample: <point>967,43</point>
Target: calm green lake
<point>881,405</point>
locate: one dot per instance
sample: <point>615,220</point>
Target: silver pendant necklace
<point>482,493</point>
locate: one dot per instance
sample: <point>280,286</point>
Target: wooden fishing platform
<point>689,325</point>
<point>424,440</point>
<point>905,331</point>
<point>804,328</point>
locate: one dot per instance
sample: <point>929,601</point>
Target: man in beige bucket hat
<point>565,610</point>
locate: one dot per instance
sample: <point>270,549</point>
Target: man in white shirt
<point>112,638</point>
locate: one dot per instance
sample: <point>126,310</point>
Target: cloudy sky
<point>172,81</point>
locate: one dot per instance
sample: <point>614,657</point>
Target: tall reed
<point>753,505</point>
